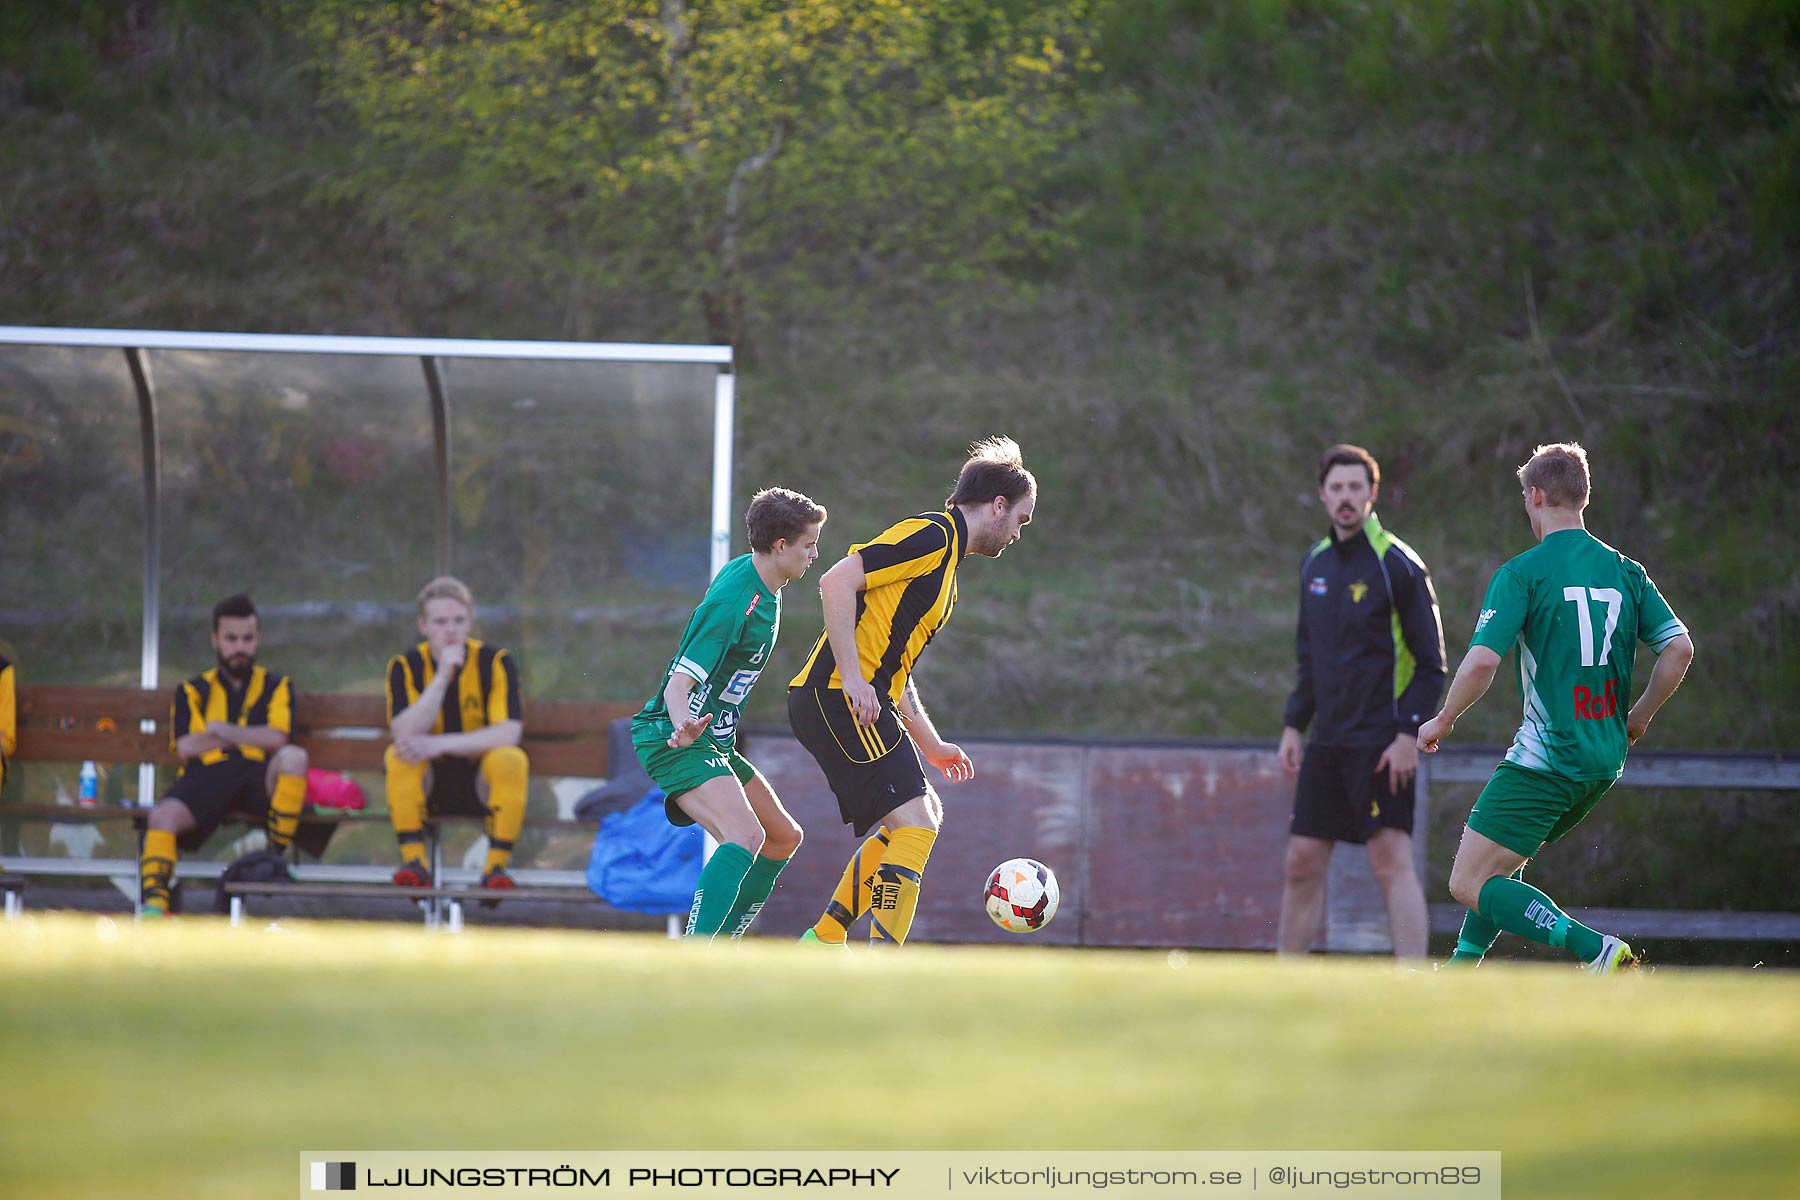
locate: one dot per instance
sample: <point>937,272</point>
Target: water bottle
<point>87,793</point>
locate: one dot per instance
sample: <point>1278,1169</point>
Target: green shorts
<point>679,771</point>
<point>1524,810</point>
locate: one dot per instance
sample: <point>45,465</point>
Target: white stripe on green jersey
<point>1530,747</point>
<point>1575,608</point>
<point>724,648</point>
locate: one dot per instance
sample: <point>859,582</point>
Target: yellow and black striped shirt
<point>486,695</point>
<point>9,717</point>
<point>266,699</point>
<point>910,591</point>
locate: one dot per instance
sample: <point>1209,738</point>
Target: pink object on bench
<point>334,789</point>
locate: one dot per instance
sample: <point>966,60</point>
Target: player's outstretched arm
<point>1471,683</point>
<point>947,757</point>
<point>1670,669</point>
<point>838,589</point>
<point>675,700</point>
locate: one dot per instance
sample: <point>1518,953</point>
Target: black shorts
<point>1340,797</point>
<point>453,792</point>
<point>872,769</point>
<point>212,791</point>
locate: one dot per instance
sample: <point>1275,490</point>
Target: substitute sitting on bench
<point>456,715</point>
<point>230,726</point>
<point>9,718</point>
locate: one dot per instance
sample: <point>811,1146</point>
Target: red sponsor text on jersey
<point>1591,707</point>
<point>754,601</point>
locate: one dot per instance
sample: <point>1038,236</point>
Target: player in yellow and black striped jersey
<point>230,725</point>
<point>457,716</point>
<point>864,724</point>
<point>9,717</point>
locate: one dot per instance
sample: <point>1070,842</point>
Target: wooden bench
<point>338,732</point>
<point>442,906</point>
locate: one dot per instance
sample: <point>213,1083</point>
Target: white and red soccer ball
<point>1022,895</point>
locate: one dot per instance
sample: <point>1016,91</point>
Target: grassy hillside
<point>1445,231</point>
<point>244,1047</point>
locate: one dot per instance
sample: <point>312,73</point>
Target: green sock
<point>1517,907</point>
<point>1475,940</point>
<point>1477,936</point>
<point>755,889</point>
<point>717,889</point>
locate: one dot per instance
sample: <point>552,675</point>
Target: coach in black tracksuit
<point>1370,647</point>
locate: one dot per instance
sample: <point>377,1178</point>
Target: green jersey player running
<point>1576,610</point>
<point>686,736</point>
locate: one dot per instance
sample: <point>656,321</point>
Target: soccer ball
<point>1022,895</point>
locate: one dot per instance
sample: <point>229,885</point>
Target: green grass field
<point>197,1060</point>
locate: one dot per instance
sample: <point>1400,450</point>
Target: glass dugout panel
<point>71,550</point>
<point>308,481</point>
<point>581,514</point>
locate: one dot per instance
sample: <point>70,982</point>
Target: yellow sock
<point>507,772</point>
<point>284,809</point>
<point>406,807</point>
<point>851,898</point>
<point>895,897</point>
<point>156,868</point>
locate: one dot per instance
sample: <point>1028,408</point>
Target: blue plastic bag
<point>641,863</point>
